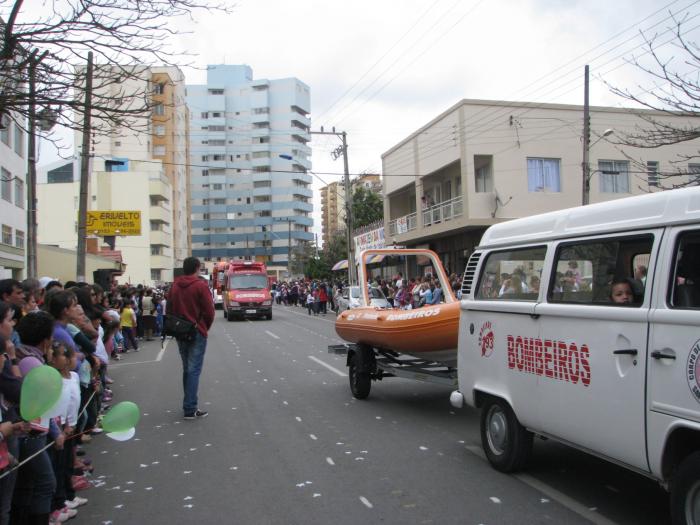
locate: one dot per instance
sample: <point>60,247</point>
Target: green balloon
<point>121,417</point>
<point>41,390</point>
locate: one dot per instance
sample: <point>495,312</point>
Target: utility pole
<point>585,196</point>
<point>343,150</point>
<point>84,174</point>
<point>31,172</point>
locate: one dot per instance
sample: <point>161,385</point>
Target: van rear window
<point>512,274</point>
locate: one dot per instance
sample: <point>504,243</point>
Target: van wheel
<point>505,441</point>
<point>359,373</point>
<point>685,492</point>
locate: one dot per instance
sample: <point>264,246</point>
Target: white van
<point>544,348</point>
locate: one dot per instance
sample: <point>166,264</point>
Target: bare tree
<point>676,93</point>
<point>125,36</point>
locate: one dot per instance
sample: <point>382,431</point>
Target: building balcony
<point>443,211</point>
<point>159,237</point>
<point>159,187</point>
<point>261,191</point>
<point>262,161</point>
<point>160,214</point>
<point>403,224</point>
<point>161,262</point>
<point>258,176</point>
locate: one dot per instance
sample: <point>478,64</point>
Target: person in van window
<point>534,284</point>
<point>640,274</point>
<point>512,286</point>
<point>621,292</point>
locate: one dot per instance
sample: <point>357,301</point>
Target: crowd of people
<point>77,329</point>
<point>319,296</point>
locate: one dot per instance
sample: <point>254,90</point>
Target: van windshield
<point>247,282</point>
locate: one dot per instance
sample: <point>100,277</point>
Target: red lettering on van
<point>511,352</point>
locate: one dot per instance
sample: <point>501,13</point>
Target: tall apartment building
<point>485,161</point>
<point>13,215</point>
<point>251,194</point>
<point>143,166</point>
<point>332,210</point>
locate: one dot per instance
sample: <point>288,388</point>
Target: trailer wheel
<point>505,441</point>
<point>359,373</point>
<point>229,316</point>
<point>685,492</point>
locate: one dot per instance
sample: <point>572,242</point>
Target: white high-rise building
<point>251,193</point>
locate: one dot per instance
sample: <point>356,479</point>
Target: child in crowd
<point>128,321</point>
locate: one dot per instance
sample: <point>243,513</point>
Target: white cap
<point>45,280</point>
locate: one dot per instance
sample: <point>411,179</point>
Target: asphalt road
<point>285,443</point>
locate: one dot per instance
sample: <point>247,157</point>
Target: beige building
<point>332,210</point>
<point>59,264</point>
<point>159,134</point>
<point>369,181</point>
<point>142,185</point>
<point>481,162</point>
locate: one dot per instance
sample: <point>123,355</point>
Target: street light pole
<point>84,175</point>
<point>31,172</point>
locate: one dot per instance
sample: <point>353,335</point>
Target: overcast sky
<point>380,69</point>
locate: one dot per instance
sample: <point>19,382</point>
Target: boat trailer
<point>366,364</point>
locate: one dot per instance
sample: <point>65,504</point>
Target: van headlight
<point>267,303</point>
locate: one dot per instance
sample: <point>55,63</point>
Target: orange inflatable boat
<point>428,333</point>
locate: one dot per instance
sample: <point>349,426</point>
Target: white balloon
<point>124,435</point>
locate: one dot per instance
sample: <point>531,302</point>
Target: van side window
<point>595,272</point>
<point>512,274</point>
<point>686,279</point>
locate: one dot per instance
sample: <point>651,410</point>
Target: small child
<point>309,301</point>
<point>621,292</point>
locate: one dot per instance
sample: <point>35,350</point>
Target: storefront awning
<point>340,265</point>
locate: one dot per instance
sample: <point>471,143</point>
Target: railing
<point>403,224</point>
<point>442,212</point>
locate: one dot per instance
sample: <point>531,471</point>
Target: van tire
<point>358,373</point>
<point>685,492</point>
<point>506,443</point>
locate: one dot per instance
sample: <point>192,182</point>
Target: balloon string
<point>52,442</point>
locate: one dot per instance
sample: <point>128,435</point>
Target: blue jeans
<point>192,354</point>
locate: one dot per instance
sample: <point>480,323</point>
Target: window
<point>160,130</point>
<point>261,154</point>
<point>7,234</point>
<point>61,174</point>
<point>19,141</point>
<point>587,270</point>
<point>261,111</point>
<point>219,201</point>
<point>217,128</point>
<point>156,249</point>
<point>653,173</point>
<point>155,275</point>
<point>117,143</point>
<point>205,202</point>
<point>262,184</point>
<point>159,150</point>
<point>261,140</point>
<point>205,173</point>
<point>5,133</point>
<point>218,186</point>
<point>694,173</point>
<point>543,175</point>
<point>512,275</point>
<point>685,292</point>
<point>216,114</point>
<point>156,226</point>
<point>159,109</point>
<point>159,89</point>
<point>205,158</point>
<point>19,193</point>
<point>217,142</point>
<point>614,176</point>
<point>218,157</point>
<point>6,185</point>
<point>19,239</point>
<point>216,91</point>
<point>204,115</point>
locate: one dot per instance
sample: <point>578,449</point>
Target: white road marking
<point>553,493</point>
<point>330,461</point>
<point>313,437</point>
<point>329,367</point>
<point>366,502</point>
<point>271,334</point>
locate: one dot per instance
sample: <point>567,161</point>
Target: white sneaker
<point>71,513</point>
<point>75,502</point>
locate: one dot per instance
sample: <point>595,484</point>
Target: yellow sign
<point>113,222</point>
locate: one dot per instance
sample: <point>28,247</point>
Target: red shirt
<point>190,298</point>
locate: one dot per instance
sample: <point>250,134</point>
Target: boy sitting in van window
<point>621,292</point>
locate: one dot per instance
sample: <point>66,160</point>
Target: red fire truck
<point>218,280</point>
<point>247,291</point>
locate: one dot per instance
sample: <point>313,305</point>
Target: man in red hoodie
<point>190,298</point>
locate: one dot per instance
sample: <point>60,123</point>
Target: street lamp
<point>587,174</point>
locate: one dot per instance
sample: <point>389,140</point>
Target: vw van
<point>583,325</point>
